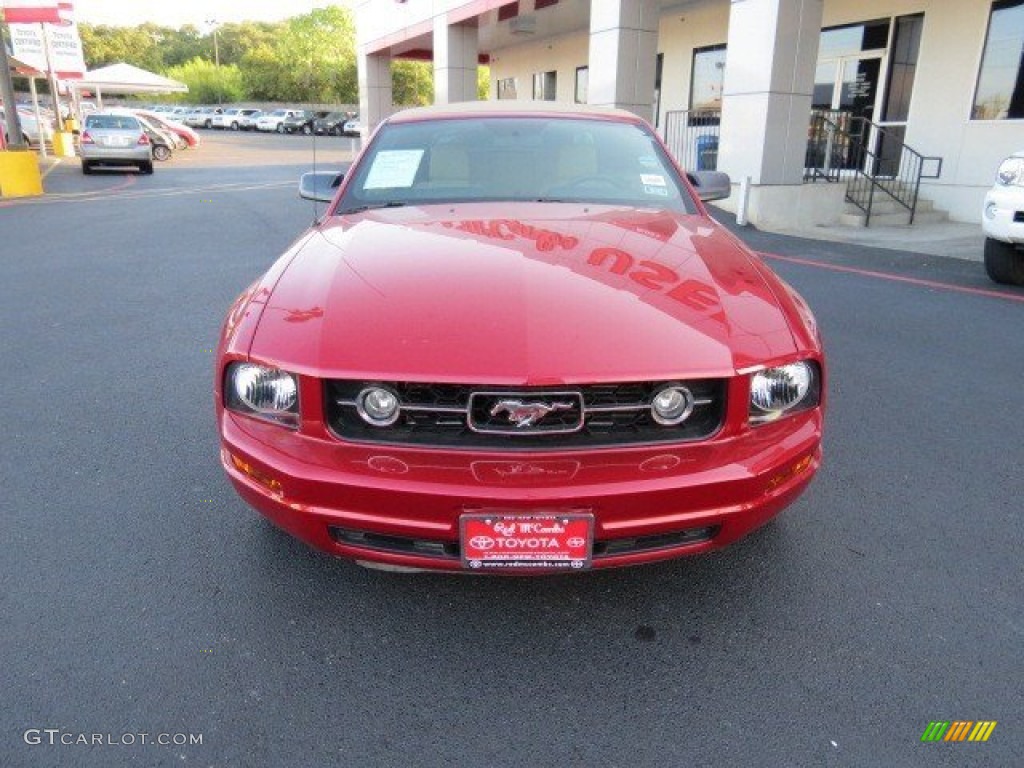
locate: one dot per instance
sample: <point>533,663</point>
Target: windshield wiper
<point>371,206</point>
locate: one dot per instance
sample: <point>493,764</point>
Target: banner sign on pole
<point>28,45</point>
<point>31,11</point>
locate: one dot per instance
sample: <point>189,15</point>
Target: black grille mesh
<point>448,425</point>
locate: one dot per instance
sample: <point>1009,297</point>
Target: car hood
<point>561,293</point>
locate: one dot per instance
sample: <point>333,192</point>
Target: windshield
<point>111,122</point>
<point>515,159</point>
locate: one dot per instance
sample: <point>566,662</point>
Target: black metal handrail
<point>869,158</point>
<point>692,137</point>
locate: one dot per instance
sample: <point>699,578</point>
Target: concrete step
<point>888,205</point>
<point>892,219</point>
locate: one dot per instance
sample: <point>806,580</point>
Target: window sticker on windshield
<point>660,191</point>
<point>393,168</point>
<point>652,180</point>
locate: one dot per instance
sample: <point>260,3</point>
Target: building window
<point>708,77</point>
<point>582,78</point>
<point>507,88</point>
<point>509,11</point>
<point>544,86</point>
<point>1000,91</point>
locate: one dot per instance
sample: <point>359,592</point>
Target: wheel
<point>146,168</point>
<point>208,124</point>
<point>280,128</point>
<point>161,153</point>
<point>86,167</point>
<point>1003,262</point>
<point>234,126</point>
<point>307,130</point>
<point>336,130</point>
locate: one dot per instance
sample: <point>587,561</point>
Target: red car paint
<point>514,296</point>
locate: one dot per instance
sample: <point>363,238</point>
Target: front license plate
<point>526,542</point>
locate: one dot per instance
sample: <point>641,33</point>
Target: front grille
<point>450,550</point>
<point>467,416</point>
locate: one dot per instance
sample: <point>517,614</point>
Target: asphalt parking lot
<point>141,595</point>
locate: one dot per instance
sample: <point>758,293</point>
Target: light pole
<point>216,57</point>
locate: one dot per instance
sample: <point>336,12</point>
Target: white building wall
<point>562,54</point>
<point>698,26</point>
<point>939,121</point>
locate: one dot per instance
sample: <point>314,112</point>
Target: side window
<point>1000,91</point>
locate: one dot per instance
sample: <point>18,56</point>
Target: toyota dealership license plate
<point>522,542</point>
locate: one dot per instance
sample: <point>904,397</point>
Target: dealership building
<point>889,106</point>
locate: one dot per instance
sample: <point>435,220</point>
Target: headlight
<point>267,393</point>
<point>378,406</point>
<point>776,391</point>
<point>1011,172</point>
<point>672,405</point>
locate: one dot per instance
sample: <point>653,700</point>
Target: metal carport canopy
<point>124,78</point>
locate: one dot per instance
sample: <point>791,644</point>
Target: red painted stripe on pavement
<point>895,278</point>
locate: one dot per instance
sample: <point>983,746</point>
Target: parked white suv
<point>231,119</point>
<point>1002,220</point>
<point>272,121</point>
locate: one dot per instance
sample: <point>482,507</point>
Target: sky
<point>175,13</point>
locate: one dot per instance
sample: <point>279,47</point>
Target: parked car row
<point>131,137</point>
<point>282,120</point>
<point>32,131</point>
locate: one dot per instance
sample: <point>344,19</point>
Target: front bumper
<point>401,506</point>
<point>1003,214</point>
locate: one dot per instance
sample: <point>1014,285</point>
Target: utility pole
<point>216,58</point>
<point>7,91</point>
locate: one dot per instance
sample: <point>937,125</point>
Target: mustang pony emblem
<point>527,414</point>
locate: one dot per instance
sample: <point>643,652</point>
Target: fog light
<point>378,406</point>
<point>672,405</point>
<point>991,210</point>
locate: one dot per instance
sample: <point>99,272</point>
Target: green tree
<point>208,83</point>
<point>235,40</point>
<point>412,83</point>
<point>317,52</point>
<point>262,75</point>
<point>185,44</point>
<point>483,83</point>
<point>140,46</point>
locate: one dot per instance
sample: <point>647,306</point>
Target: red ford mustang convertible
<point>516,342</point>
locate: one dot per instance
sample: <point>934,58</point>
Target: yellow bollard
<point>64,144</point>
<point>19,174</point>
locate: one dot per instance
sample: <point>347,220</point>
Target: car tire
<point>234,126</point>
<point>1003,262</point>
<point>86,167</point>
<point>161,153</point>
<point>208,124</point>
<point>280,128</point>
<point>306,130</point>
<point>146,168</point>
<point>336,131</point>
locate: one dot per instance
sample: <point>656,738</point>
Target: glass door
<point>846,94</point>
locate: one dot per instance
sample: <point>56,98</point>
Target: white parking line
<point>102,195</point>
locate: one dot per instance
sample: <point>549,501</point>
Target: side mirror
<point>710,185</point>
<point>320,186</point>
